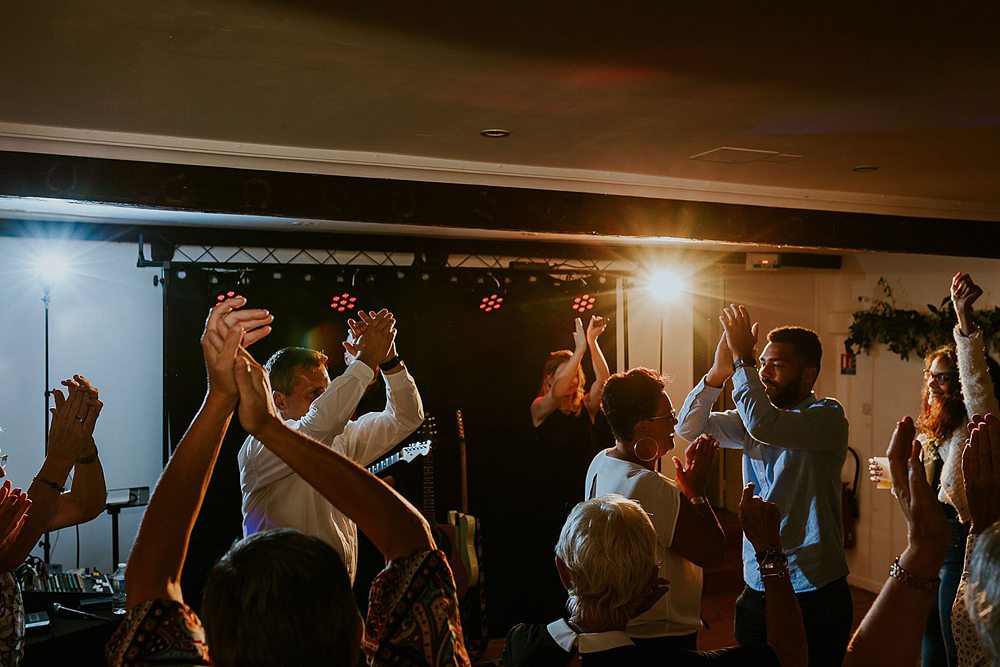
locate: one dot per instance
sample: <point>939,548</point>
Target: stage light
<point>490,303</point>
<point>51,268</point>
<point>344,302</point>
<point>222,296</point>
<point>666,285</point>
<point>584,303</point>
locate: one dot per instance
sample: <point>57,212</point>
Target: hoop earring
<point>635,450</point>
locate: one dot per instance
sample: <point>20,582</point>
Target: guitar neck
<point>383,464</point>
<point>429,510</point>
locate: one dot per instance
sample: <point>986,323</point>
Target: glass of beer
<point>878,469</point>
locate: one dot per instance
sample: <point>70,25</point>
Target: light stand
<point>46,298</point>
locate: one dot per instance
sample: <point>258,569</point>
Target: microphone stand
<point>46,298</point>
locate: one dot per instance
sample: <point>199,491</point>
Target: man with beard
<point>794,445</point>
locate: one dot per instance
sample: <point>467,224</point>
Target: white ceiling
<point>603,97</point>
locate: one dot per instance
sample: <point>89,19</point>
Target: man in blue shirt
<point>794,446</point>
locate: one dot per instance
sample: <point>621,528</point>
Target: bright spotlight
<point>666,285</point>
<point>51,268</point>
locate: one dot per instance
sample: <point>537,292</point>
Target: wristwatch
<point>749,362</point>
<point>390,364</point>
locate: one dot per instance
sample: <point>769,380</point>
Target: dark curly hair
<point>629,397</point>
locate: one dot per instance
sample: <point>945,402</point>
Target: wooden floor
<point>722,586</point>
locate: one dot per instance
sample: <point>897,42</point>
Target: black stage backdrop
<point>487,364</point>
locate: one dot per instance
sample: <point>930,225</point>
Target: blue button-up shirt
<point>794,458</point>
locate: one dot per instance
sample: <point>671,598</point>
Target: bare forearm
<point>898,615</point>
<point>564,378</point>
<point>44,501</point>
<point>158,555</point>
<point>389,521</point>
<point>785,632</point>
<point>85,500</point>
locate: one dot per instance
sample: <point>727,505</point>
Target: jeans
<point>826,613</point>
<point>939,646</point>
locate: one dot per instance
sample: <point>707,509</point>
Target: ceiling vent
<point>729,155</point>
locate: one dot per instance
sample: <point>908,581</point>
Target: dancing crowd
<point>630,554</point>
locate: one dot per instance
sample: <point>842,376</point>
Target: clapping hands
<point>373,339</point>
<point>927,526</point>
<point>981,469</point>
<point>73,418</point>
<point>227,330</point>
<point>741,331</point>
<point>700,456</point>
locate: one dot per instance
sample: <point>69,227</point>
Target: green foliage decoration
<point>909,332</point>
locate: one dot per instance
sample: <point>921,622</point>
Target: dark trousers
<point>826,613</point>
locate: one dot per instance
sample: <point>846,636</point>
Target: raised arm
<point>601,370</point>
<point>70,436</point>
<point>698,535</point>
<point>157,558</point>
<point>88,494</point>
<point>330,412</point>
<point>977,385</point>
<point>547,403</point>
<point>696,416</point>
<point>898,617</point>
<point>389,521</point>
<point>786,635</point>
<point>981,468</point>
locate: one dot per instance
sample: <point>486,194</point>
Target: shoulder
<point>159,631</point>
<point>531,645</point>
<point>418,586</point>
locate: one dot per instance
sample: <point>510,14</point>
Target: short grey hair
<point>608,545</point>
<point>982,592</point>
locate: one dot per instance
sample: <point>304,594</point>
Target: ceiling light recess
<point>495,133</point>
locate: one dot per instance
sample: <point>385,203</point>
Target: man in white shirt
<point>273,495</point>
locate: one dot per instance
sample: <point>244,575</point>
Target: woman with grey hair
<point>607,560</point>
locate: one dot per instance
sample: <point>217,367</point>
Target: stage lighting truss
<point>491,303</point>
<point>343,302</point>
<point>582,304</point>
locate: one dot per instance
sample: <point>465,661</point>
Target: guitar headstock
<point>411,452</point>
<point>461,424</point>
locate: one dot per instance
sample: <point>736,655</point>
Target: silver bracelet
<point>896,571</point>
<point>700,500</point>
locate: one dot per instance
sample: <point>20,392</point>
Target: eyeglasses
<point>669,415</point>
<point>941,377</point>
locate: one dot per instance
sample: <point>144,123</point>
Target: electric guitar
<point>465,524</point>
<point>445,535</point>
<point>406,454</point>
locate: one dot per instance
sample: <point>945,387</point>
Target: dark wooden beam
<point>389,201</point>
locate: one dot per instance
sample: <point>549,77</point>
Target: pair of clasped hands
<point>234,374</point>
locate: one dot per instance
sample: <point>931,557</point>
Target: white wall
<point>106,324</point>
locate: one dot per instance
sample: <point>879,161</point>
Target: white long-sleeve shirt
<point>275,497</point>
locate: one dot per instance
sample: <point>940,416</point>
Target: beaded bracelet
<point>49,482</point>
